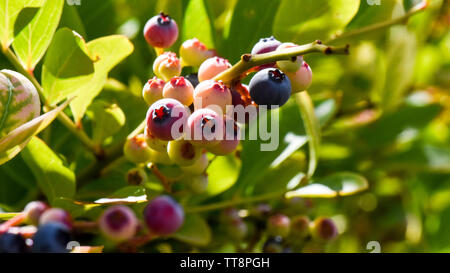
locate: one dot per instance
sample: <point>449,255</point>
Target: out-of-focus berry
<point>163,215</point>
<point>118,223</point>
<point>136,177</point>
<point>279,225</point>
<point>324,229</point>
<point>199,166</point>
<point>56,215</point>
<point>12,243</point>
<point>33,212</point>
<point>51,237</point>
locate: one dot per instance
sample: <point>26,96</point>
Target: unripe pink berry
<point>161,31</point>
<point>153,90</point>
<point>302,79</point>
<point>205,128</point>
<point>194,53</point>
<point>33,212</point>
<point>212,67</point>
<point>230,141</point>
<point>212,94</point>
<point>136,149</point>
<point>56,215</point>
<point>180,89</point>
<point>167,66</point>
<point>289,66</point>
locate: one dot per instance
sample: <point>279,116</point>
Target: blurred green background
<point>384,110</point>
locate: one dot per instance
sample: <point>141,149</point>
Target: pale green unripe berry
<point>289,66</point>
<point>19,101</point>
<point>136,150</point>
<point>194,53</point>
<point>167,66</point>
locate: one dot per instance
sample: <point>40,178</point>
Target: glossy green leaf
<point>303,21</point>
<point>53,177</point>
<point>108,52</point>
<point>338,184</point>
<point>195,231</point>
<point>68,66</point>
<point>9,11</point>
<point>32,41</point>
<point>107,119</point>
<point>249,23</point>
<point>198,23</point>
<point>16,140</point>
<point>312,128</point>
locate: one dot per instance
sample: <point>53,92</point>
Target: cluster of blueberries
<point>187,119</point>
<point>51,230</point>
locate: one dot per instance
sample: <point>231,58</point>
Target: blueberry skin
<point>270,87</point>
<point>193,78</point>
<point>51,237</point>
<point>12,243</point>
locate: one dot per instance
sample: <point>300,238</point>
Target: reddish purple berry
<point>161,31</point>
<point>324,229</point>
<point>118,223</point>
<point>266,45</point>
<point>164,215</point>
<point>166,119</point>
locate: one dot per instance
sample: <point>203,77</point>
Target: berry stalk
<point>248,61</point>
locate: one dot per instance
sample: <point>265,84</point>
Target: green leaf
<point>195,231</point>
<point>198,23</point>
<point>108,51</point>
<point>402,44</point>
<point>16,140</point>
<point>67,67</point>
<point>32,41</point>
<point>338,184</point>
<point>312,128</point>
<point>249,23</point>
<point>54,179</point>
<point>9,11</point>
<point>303,21</point>
<point>71,19</point>
<point>107,119</point>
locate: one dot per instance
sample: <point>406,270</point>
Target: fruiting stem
<point>166,183</point>
<point>62,117</point>
<point>371,28</point>
<point>249,61</point>
<point>16,220</point>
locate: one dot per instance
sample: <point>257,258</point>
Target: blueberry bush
<point>224,126</point>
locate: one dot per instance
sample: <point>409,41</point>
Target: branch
<point>249,61</point>
<point>385,24</point>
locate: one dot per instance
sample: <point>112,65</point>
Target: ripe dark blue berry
<point>51,237</point>
<point>270,87</point>
<point>161,31</point>
<point>164,215</point>
<point>273,245</point>
<point>193,78</point>
<point>12,243</point>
